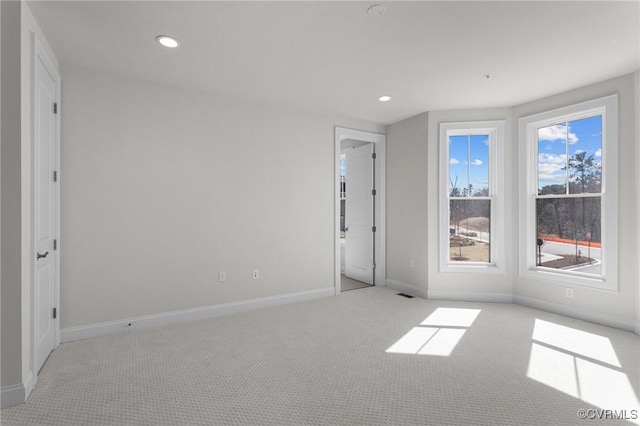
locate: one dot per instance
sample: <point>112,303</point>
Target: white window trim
<point>608,108</point>
<point>496,131</point>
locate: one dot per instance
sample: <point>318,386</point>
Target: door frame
<point>40,54</point>
<point>380,142</point>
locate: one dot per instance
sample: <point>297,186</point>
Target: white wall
<point>637,115</point>
<point>615,308</point>
<point>407,234</point>
<point>472,285</point>
<point>413,167</point>
<point>413,211</point>
<point>162,188</point>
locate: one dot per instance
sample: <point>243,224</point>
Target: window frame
<point>607,107</point>
<point>496,132</point>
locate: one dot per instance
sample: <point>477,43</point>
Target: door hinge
<point>373,229</point>
<point>374,265</point>
<point>373,192</point>
<point>55,244</point>
<point>373,155</point>
<point>55,107</point>
<point>55,313</point>
<point>55,175</point>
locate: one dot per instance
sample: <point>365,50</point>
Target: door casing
<point>379,140</point>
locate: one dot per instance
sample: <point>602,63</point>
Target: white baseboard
<point>29,384</point>
<point>16,394</point>
<point>12,395</point>
<point>470,296</point>
<point>410,289</point>
<point>100,329</point>
<point>578,313</point>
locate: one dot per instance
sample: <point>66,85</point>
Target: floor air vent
<point>408,296</point>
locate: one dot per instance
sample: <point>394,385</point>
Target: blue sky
<point>582,135</point>
<point>469,161</point>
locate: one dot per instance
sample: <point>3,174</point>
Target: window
<point>471,201</point>
<point>570,224</point>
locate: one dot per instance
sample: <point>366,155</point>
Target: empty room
<point>320,213</point>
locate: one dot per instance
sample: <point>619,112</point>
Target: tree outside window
<point>469,200</point>
<point>568,203</point>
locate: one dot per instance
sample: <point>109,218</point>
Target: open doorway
<point>360,213</point>
<point>357,214</point>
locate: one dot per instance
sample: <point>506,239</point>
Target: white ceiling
<point>334,58</point>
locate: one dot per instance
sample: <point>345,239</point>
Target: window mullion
<point>469,165</point>
<point>566,164</point>
<point>565,196</point>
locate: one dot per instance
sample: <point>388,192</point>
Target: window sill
<point>488,268</point>
<point>595,282</point>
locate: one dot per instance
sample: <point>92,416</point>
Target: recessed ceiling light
<point>167,41</point>
<point>384,98</point>
<point>376,10</point>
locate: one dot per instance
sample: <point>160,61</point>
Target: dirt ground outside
<point>567,262</point>
<point>480,224</point>
<point>467,250</point>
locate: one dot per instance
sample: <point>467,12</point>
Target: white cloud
<point>552,158</point>
<point>598,153</point>
<point>454,161</point>
<point>546,168</point>
<point>555,133</point>
<point>476,162</point>
<point>545,177</point>
<point>580,151</point>
<point>551,164</point>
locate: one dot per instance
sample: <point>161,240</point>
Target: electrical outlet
<point>410,263</point>
<point>568,292</point>
<point>222,276</point>
<point>256,274</point>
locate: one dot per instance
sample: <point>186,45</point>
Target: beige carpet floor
<point>366,357</point>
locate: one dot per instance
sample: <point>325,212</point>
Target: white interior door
<point>44,210</point>
<point>359,214</point>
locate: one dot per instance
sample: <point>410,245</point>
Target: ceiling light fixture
<point>167,41</point>
<point>384,98</point>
